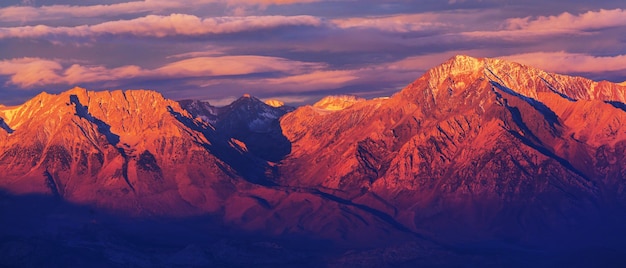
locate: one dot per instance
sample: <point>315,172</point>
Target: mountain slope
<point>137,153</point>
<point>474,143</point>
<point>109,145</point>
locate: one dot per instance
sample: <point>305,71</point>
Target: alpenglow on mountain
<point>476,155</point>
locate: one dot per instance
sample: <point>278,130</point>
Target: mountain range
<point>477,160</point>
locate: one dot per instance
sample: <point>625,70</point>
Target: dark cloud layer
<point>296,50</point>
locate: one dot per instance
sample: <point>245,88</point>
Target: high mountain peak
<point>467,64</point>
<point>460,63</point>
<point>461,70</point>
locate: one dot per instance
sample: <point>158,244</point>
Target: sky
<point>297,51</point>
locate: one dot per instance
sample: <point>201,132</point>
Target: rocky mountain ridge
<point>474,150</point>
<point>493,132</point>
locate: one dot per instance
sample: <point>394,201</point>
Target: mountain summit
<point>525,80</point>
<point>475,152</point>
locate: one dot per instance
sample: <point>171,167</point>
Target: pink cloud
<point>564,24</point>
<point>397,73</point>
<point>590,20</point>
<point>269,2</point>
<point>162,26</point>
<point>233,65</point>
<point>42,30</point>
<point>403,23</point>
<point>563,62</point>
<point>54,12</point>
<point>28,72</point>
<point>78,73</point>
<point>323,79</point>
<point>32,72</point>
<point>189,25</point>
<point>396,23</point>
<point>30,13</point>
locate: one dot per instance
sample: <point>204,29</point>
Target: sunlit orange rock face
<point>475,147</point>
<point>121,150</point>
<point>495,145</point>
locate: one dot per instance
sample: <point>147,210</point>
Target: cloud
<point>564,62</point>
<point>55,12</point>
<point>208,51</point>
<point>233,65</point>
<point>392,74</point>
<point>527,28</point>
<point>316,80</point>
<point>453,20</point>
<point>31,72</point>
<point>189,25</point>
<point>588,21</point>
<point>76,73</point>
<point>162,26</point>
<point>396,23</point>
<point>269,2</point>
<point>27,72</point>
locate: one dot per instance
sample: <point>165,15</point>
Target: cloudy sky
<point>293,50</point>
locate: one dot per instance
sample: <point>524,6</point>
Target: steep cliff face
<point>123,150</point>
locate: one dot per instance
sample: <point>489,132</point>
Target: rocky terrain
<point>479,161</point>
